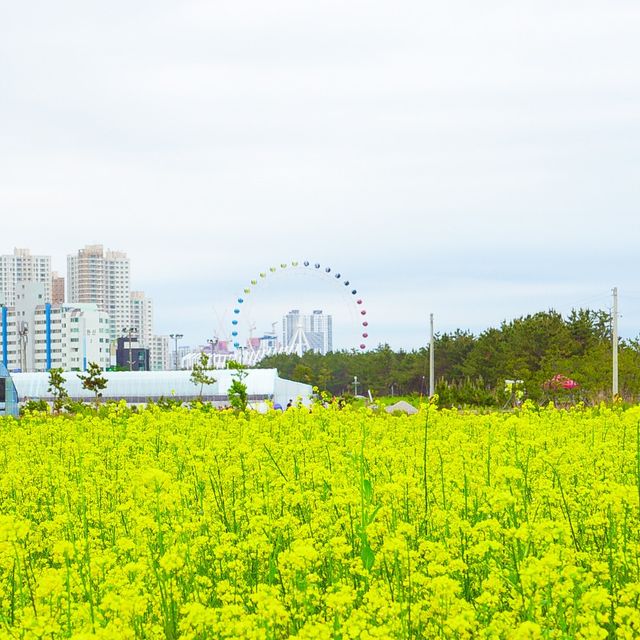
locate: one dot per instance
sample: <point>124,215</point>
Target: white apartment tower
<point>103,278</point>
<point>23,267</point>
<point>159,354</point>
<point>142,318</point>
<point>313,332</point>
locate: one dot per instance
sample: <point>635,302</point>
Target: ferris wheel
<point>299,336</point>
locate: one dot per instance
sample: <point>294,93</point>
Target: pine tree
<point>57,389</point>
<point>93,380</point>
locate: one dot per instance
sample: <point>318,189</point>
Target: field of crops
<point>323,524</point>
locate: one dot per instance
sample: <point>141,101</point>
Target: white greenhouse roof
<point>141,386</point>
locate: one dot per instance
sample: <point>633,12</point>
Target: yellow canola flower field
<point>198,524</point>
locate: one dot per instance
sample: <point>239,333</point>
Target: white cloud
<point>406,142</point>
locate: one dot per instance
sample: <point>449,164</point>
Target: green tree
<point>472,369</point>
<point>200,374</point>
<point>451,352</point>
<point>580,323</point>
<point>93,380</point>
<point>57,389</point>
<point>303,373</point>
<point>488,358</point>
<point>238,396</point>
<point>324,377</point>
<point>285,364</point>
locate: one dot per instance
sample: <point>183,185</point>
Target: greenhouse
<point>140,387</point>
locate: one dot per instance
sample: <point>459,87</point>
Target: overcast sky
<point>477,160</point>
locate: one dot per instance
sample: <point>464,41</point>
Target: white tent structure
<point>401,406</point>
<point>139,387</point>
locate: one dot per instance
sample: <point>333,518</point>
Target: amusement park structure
<point>300,333</point>
<point>256,349</point>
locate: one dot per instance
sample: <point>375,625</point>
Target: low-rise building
<point>131,355</point>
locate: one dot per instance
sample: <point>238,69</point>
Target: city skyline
<point>474,160</point>
<point>98,279</point>
<point>280,291</point>
<point>39,330</point>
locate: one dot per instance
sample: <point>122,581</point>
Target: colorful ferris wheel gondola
<point>327,271</point>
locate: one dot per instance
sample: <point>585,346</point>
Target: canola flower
<point>327,524</point>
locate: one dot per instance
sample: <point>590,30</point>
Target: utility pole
<point>23,336</point>
<point>129,331</point>
<point>176,337</point>
<point>614,343</point>
<point>432,370</point>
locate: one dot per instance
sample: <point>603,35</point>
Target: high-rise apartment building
<point>23,267</point>
<point>160,354</point>
<point>312,332</point>
<point>142,318</point>
<point>102,277</point>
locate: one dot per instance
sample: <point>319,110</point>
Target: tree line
<point>473,369</point>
